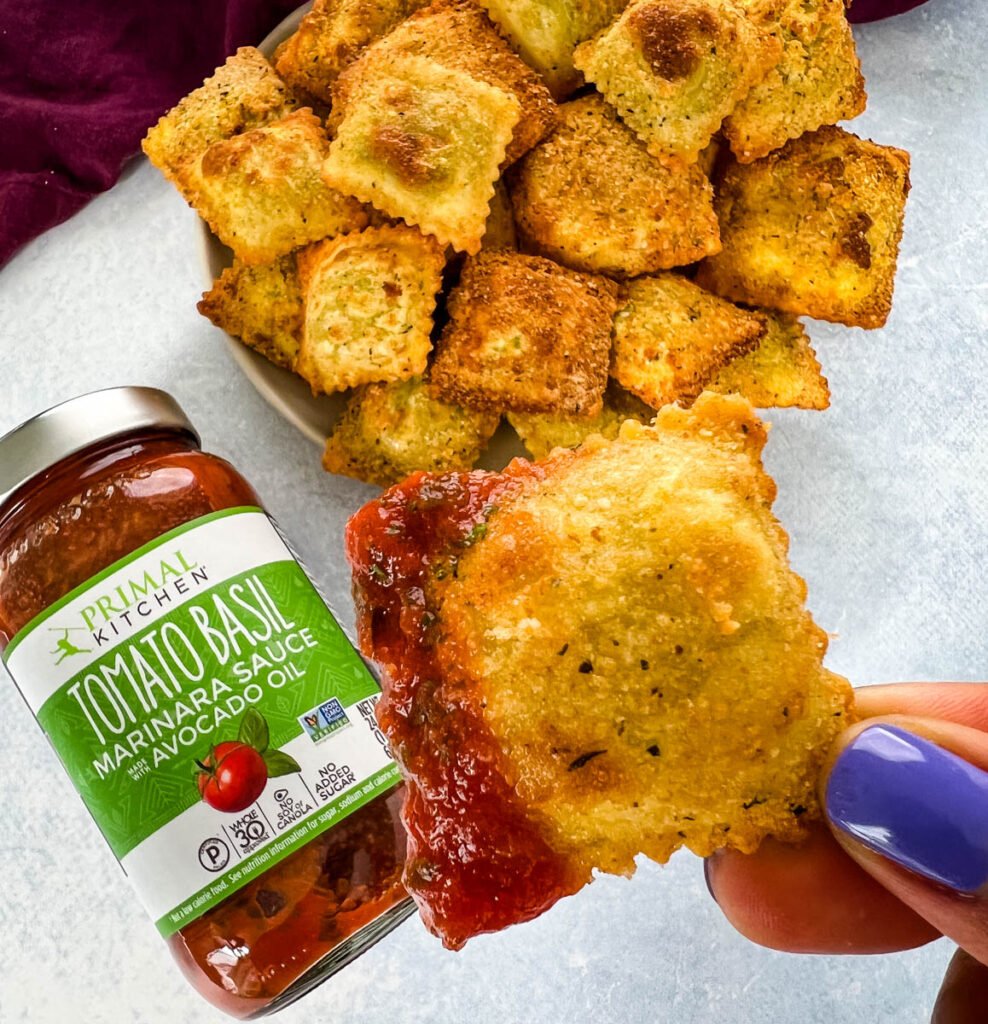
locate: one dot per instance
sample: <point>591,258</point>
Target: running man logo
<point>64,648</point>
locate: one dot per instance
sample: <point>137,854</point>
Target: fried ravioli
<point>424,143</point>
<point>593,198</point>
<point>592,658</point>
<point>671,337</point>
<point>813,229</point>
<point>456,34</point>
<point>782,372</point>
<point>244,93</point>
<point>391,430</point>
<point>541,432</point>
<point>817,81</point>
<point>331,36</point>
<point>260,305</point>
<point>674,69</point>
<point>262,192</point>
<point>545,33</point>
<point>526,335</point>
<point>369,299</point>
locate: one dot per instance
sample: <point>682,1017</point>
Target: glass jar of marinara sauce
<point>212,714</point>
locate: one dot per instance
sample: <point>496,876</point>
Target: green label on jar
<point>208,707</point>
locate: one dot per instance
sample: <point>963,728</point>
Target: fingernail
<point>915,803</point>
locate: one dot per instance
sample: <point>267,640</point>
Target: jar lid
<point>44,440</point>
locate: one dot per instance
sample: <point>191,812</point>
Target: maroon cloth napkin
<point>81,81</point>
<point>875,10</point>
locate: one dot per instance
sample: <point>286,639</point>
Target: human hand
<point>903,856</point>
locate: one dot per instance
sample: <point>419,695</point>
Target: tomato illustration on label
<point>234,773</point>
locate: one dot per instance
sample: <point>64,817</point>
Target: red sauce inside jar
<point>260,941</point>
<point>476,863</point>
<point>89,511</point>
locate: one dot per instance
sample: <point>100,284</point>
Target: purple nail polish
<point>915,803</point>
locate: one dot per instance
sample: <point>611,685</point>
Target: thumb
<point>964,994</point>
<point>907,798</point>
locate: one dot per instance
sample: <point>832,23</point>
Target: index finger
<point>960,703</point>
<point>811,898</point>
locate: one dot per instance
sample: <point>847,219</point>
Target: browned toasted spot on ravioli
<point>669,38</point>
<point>854,241</point>
<point>406,152</point>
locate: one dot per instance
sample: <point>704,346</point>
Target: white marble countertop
<point>885,495</point>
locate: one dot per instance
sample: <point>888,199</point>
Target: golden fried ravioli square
<point>674,69</point>
<point>593,198</point>
<point>670,337</point>
<point>242,94</point>
<point>545,33</point>
<point>262,192</point>
<point>782,372</point>
<point>813,229</point>
<point>424,143</point>
<point>816,82</point>
<point>331,36</point>
<point>541,432</point>
<point>525,335</point>
<point>261,305</point>
<point>391,430</point>
<point>368,300</point>
<point>457,35</point>
<point>602,656</point>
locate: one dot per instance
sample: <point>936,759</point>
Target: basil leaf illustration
<point>280,763</point>
<point>254,730</point>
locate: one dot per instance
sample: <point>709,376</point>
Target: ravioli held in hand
<point>592,657</point>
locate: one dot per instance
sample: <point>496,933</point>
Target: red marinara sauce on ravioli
<point>475,862</point>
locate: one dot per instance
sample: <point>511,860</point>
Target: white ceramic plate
<point>291,396</point>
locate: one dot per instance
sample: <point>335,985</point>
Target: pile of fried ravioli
<point>562,213</point>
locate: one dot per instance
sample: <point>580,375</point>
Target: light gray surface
<point>885,496</point>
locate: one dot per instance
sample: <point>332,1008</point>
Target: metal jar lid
<point>46,439</point>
